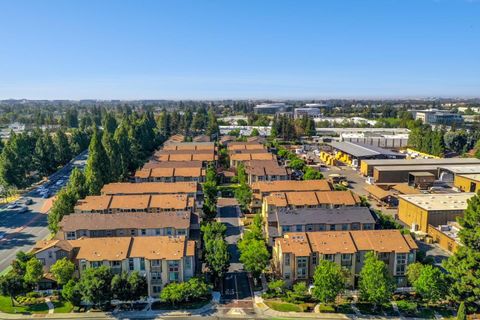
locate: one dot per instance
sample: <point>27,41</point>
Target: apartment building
<point>160,259</point>
<point>152,163</point>
<point>296,255</point>
<point>170,175</point>
<point>265,170</point>
<point>284,220</point>
<point>238,158</point>
<point>262,189</point>
<point>189,146</point>
<point>135,203</point>
<point>191,189</point>
<point>420,210</point>
<point>309,199</point>
<point>126,224</point>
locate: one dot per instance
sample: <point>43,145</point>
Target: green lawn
<point>63,307</point>
<point>6,307</point>
<point>283,306</point>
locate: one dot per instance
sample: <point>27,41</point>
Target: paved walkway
<point>51,307</point>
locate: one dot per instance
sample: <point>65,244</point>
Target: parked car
<point>23,209</point>
<point>28,201</point>
<point>12,205</point>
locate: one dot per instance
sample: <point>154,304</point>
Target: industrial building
<point>468,182</point>
<point>367,166</point>
<point>270,108</point>
<point>353,153</point>
<point>418,211</point>
<point>381,140</point>
<point>309,112</point>
<point>438,117</point>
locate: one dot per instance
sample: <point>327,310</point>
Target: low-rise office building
<point>135,203</point>
<point>282,221</point>
<point>170,175</point>
<point>126,224</point>
<point>296,255</point>
<point>311,112</point>
<point>420,210</point>
<point>160,259</point>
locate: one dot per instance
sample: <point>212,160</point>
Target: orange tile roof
<point>162,247</point>
<point>334,242</point>
<point>291,185</point>
<point>377,192</point>
<point>91,203</point>
<point>346,198</point>
<point>130,201</point>
<point>100,249</point>
<point>150,188</point>
<point>169,201</point>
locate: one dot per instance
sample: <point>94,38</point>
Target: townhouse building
<point>296,255</point>
<point>170,175</point>
<point>309,199</point>
<point>191,189</point>
<point>135,203</point>
<point>160,259</point>
<point>127,224</point>
<point>265,170</point>
<point>262,189</point>
<point>284,220</point>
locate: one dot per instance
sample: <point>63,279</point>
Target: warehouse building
<point>418,211</point>
<point>353,153</point>
<point>468,182</point>
<point>367,166</point>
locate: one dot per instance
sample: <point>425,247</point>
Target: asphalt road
<point>20,231</point>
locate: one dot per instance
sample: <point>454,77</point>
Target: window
<point>132,232</point>
<point>173,273</point>
<point>321,227</point>
<point>309,227</point>
<point>401,263</point>
<point>302,267</point>
<point>157,232</point>
<point>346,260</point>
<point>143,232</point>
<point>115,264</point>
<point>157,289</point>
<point>142,264</point>
<point>169,231</point>
<point>298,228</point>
<point>287,275</point>
<point>131,264</point>
<point>156,263</point>
<point>50,254</point>
<point>345,226</point>
<point>355,226</point>
<point>285,228</point>
<point>329,257</point>
<point>95,264</point>
<point>287,259</point>
<point>71,235</point>
<point>42,261</point>
<point>314,258</point>
<point>332,227</point>
<point>188,263</point>
<point>181,232</point>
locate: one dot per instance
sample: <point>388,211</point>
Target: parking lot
<point>23,223</point>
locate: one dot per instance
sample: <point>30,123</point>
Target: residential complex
<point>296,254</point>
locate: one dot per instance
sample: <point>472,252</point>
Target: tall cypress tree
<point>97,168</point>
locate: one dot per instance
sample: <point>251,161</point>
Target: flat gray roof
<point>408,167</point>
<point>358,149</point>
<point>415,162</point>
<point>322,215</point>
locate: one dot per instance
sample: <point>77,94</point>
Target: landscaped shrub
<point>326,308</point>
<point>407,307</point>
<point>33,294</point>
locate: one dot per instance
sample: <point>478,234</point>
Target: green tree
<point>97,168</point>
<point>241,174</point>
<point>376,284</point>
<point>197,289</point>
<point>123,145</point>
<point>138,286</point>
<point>44,155</point>
<point>111,149</point>
<point>216,248</point>
<point>243,194</point>
<point>212,127</point>
<point>34,271</point>
<point>329,281</point>
<point>95,285</point>
<point>77,184</point>
<point>63,205</point>
<point>413,272</point>
<point>462,312</point>
<point>63,270</point>
<point>276,288</point>
<point>173,293</point>
<point>312,174</point>
<point>109,123</point>
<point>11,285</point>
<point>121,288</point>
<point>63,152</point>
<point>72,293</point>
<point>464,266</point>
<point>254,255</point>
<point>431,284</point>
<point>254,133</point>
<point>299,293</point>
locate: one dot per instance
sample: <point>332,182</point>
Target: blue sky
<point>239,49</point>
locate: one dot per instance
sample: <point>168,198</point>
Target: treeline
<point>286,128</point>
<point>188,123</point>
<point>114,154</point>
<point>437,141</point>
<point>29,156</point>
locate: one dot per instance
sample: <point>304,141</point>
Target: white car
<point>12,205</point>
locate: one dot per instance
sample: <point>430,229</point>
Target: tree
<point>109,123</point>
<point>63,270</point>
<point>255,256</point>
<point>462,312</point>
<point>212,127</point>
<point>197,289</point>
<point>241,174</point>
<point>44,156</point>
<point>243,194</point>
<point>63,152</point>
<point>173,293</point>
<point>121,288</point>
<point>11,285</point>
<point>63,205</point>
<point>464,266</point>
<point>123,145</point>
<point>216,248</point>
<point>413,272</point>
<point>328,280</point>
<point>277,287</point>
<point>77,184</point>
<point>312,174</point>
<point>138,286</point>
<point>254,133</point>
<point>431,284</point>
<point>297,164</point>
<point>34,271</point>
<point>210,195</point>
<point>376,284</point>
<point>95,285</point>
<point>299,292</point>
<point>111,149</point>
<point>72,293</point>
<point>97,167</point>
